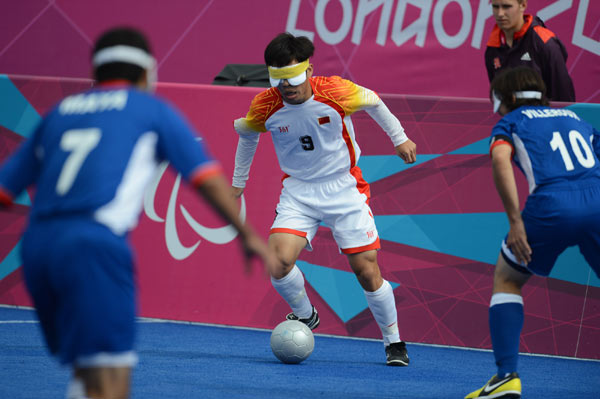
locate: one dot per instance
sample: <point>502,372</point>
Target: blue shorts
<point>80,276</point>
<point>556,219</point>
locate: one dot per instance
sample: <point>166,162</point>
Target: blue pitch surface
<point>182,360</point>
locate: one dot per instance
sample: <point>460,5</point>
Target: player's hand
<point>407,151</point>
<point>517,242</point>
<point>255,246</point>
<point>237,191</point>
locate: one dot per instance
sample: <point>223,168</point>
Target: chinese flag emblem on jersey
<point>323,120</point>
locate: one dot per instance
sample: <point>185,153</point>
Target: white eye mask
<point>293,81</point>
<point>294,74</point>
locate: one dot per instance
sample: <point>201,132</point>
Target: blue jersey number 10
<point>579,146</point>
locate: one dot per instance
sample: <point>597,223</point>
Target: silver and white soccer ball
<point>292,341</point>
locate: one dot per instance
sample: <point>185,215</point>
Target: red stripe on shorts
<point>375,245</point>
<point>288,231</point>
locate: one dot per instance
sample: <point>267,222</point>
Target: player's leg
<point>103,320</point>
<point>505,321</point>
<point>289,281</point>
<point>92,274</point>
<point>381,301</point>
<point>365,267</point>
<point>506,312</point>
<point>506,315</point>
<point>345,209</point>
<point>100,382</point>
<point>287,248</point>
<point>547,216</point>
<point>547,240</point>
<point>293,229</point>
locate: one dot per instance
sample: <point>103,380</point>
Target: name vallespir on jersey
<point>548,113</point>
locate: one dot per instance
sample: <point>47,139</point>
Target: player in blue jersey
<point>90,160</point>
<point>558,153</point>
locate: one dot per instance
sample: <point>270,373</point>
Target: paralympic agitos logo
<point>218,235</point>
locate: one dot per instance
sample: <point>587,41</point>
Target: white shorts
<point>340,203</point>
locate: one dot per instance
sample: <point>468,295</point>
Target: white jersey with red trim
<point>315,139</point>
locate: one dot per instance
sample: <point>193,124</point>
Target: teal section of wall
<point>11,262</point>
<point>23,199</point>
<point>338,288</point>
<point>478,147</point>
<point>16,113</point>
<point>472,236</point>
<point>377,167</point>
<point>588,112</point>
<point>475,236</point>
<point>571,266</point>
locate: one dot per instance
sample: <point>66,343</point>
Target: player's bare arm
<point>218,193</point>
<point>506,185</point>
<point>237,191</point>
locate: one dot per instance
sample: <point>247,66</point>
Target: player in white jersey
<point>310,123</point>
<point>90,159</point>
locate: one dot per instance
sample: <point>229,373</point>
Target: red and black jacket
<point>537,47</point>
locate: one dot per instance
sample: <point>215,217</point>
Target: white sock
<point>76,389</point>
<point>291,289</point>
<point>383,306</point>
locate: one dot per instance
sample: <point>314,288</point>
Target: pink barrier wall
<point>440,222</point>
<point>422,47</point>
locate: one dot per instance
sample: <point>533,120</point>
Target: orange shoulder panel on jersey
<point>544,33</point>
<point>262,107</point>
<point>348,97</point>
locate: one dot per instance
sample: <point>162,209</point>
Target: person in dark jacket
<point>522,39</point>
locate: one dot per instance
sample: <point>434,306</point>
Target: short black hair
<point>120,70</point>
<point>285,48</point>
<point>520,78</point>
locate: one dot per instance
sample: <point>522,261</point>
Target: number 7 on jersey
<point>79,143</point>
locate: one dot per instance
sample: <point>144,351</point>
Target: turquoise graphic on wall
<point>19,116</point>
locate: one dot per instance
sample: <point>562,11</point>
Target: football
<point>292,341</point>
